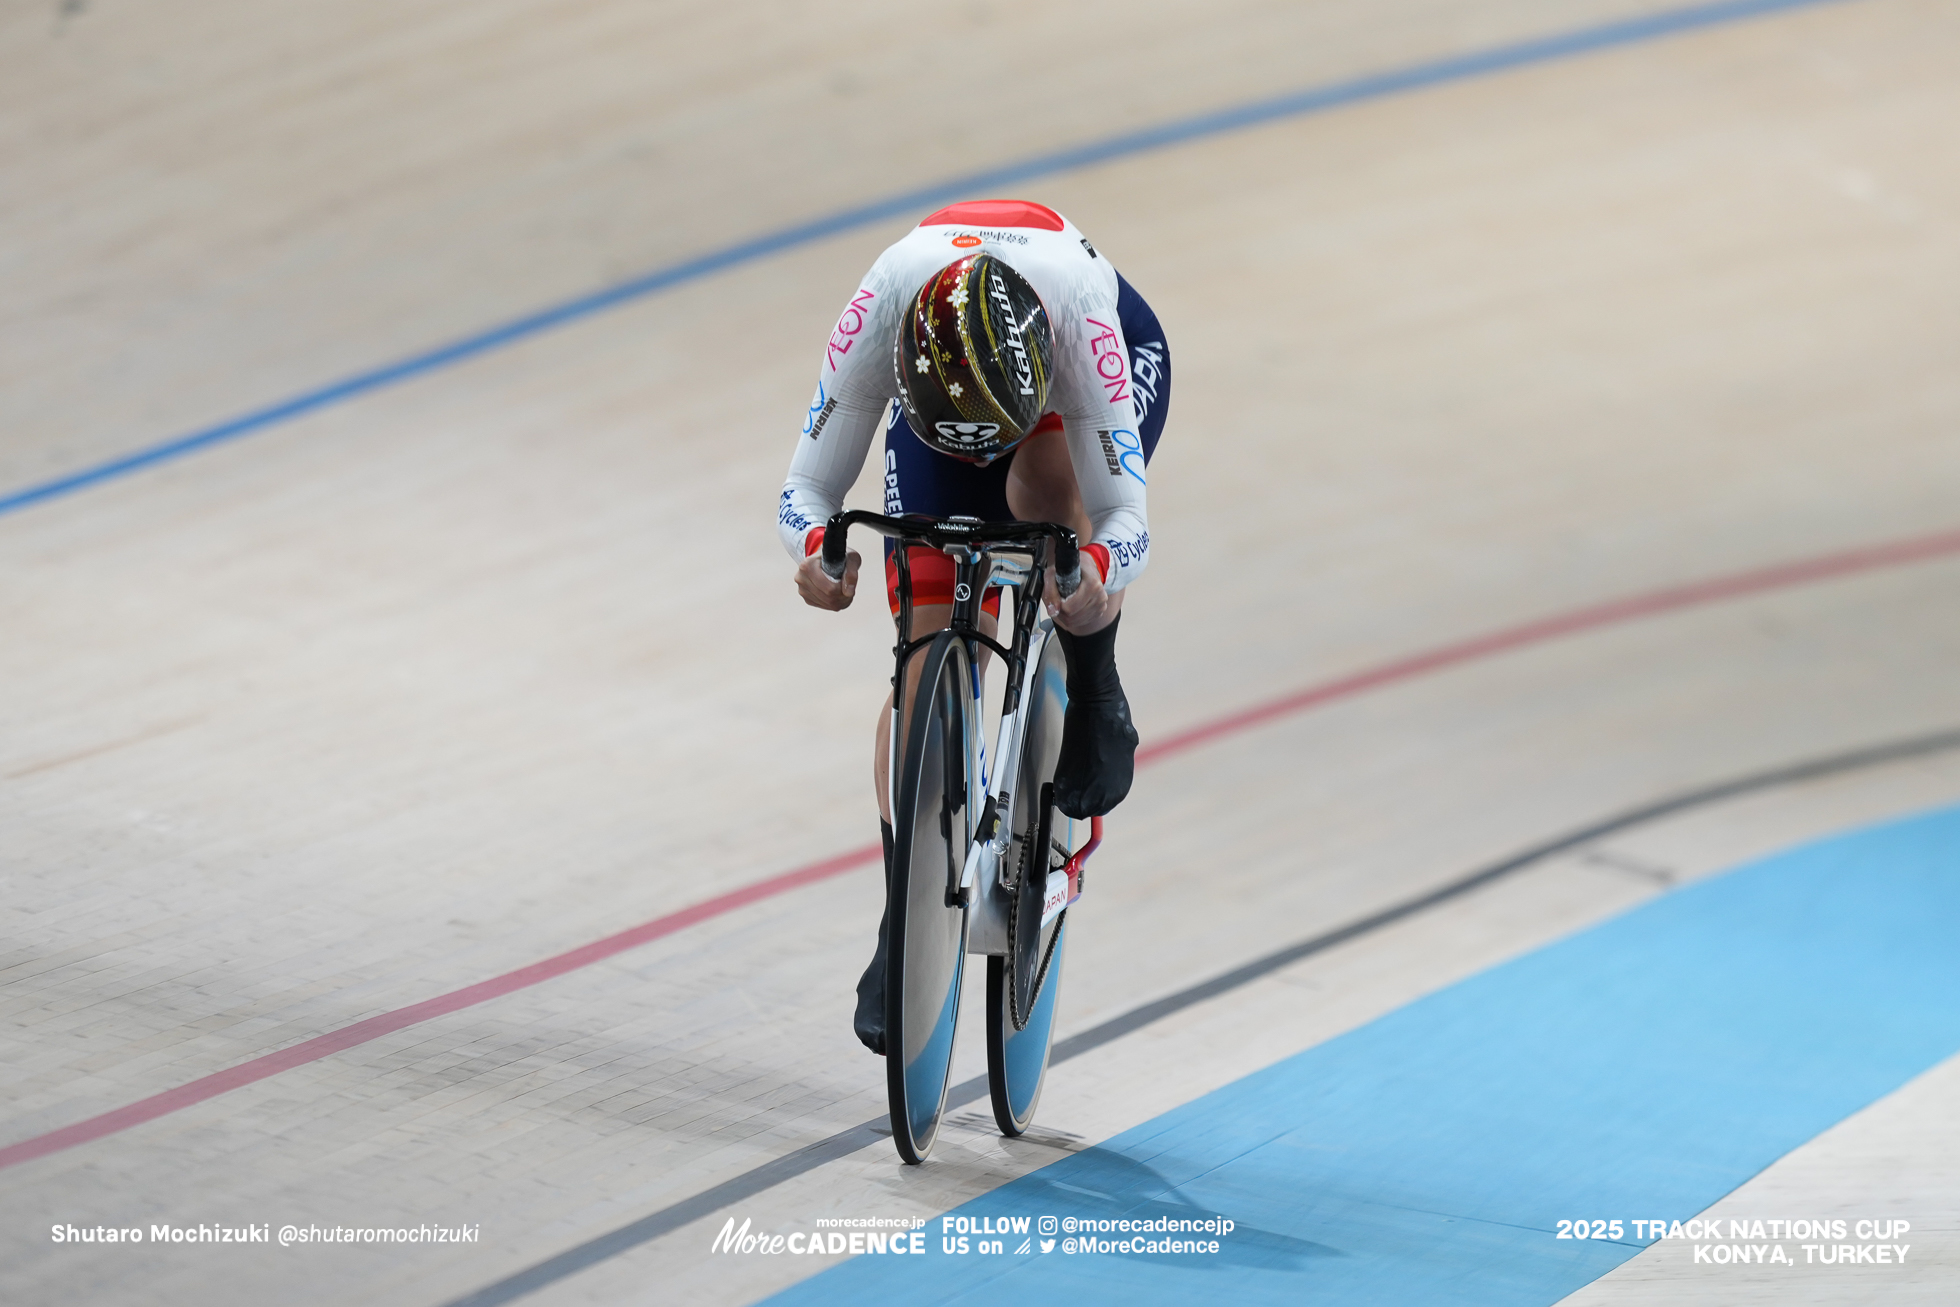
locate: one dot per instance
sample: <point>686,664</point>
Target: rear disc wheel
<point>1022,985</point>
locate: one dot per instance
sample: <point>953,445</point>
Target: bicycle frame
<point>1014,921</point>
<point>984,554</point>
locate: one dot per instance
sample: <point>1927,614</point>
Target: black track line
<point>845,1142</point>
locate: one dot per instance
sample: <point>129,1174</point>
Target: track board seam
<point>1614,612</point>
<point>834,1147</point>
<point>1217,122</point>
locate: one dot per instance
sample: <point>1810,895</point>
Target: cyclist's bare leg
<point>1041,487</point>
<point>1041,483</point>
<point>869,1020</point>
<point>926,618</point>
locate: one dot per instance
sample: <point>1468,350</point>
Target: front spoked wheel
<point>931,815</point>
<point>1022,985</point>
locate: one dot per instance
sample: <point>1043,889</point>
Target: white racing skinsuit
<point>1092,390</point>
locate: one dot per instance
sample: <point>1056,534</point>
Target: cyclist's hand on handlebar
<point>1089,609</point>
<point>819,591</point>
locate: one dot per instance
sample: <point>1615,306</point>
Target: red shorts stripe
<point>932,581</point>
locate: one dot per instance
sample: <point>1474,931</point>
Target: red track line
<point>334,1041</point>
<point>1653,602</point>
<point>1443,656</point>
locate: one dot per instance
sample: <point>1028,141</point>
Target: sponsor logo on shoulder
<point>1106,347</point>
<point>966,240</point>
<point>1087,246</point>
<point>849,324</point>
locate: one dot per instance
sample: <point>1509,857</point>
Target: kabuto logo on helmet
<point>1024,370</point>
<point>972,358</point>
<point>967,433</point>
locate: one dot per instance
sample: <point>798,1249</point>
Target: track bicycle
<point>982,861</point>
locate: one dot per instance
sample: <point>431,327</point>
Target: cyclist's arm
<point>823,469</point>
<point>1115,502</point>
<point>854,384</point>
<point>1106,451</point>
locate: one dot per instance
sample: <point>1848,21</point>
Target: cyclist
<point>1016,375</point>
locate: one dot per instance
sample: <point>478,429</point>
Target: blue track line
<point>1374,86</point>
<point>1639,1070</point>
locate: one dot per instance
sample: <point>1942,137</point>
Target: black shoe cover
<point>1099,749</point>
<point>869,1021</point>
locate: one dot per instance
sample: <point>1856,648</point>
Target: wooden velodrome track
<point>413,689</point>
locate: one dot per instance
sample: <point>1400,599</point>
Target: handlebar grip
<point>836,538</point>
<point>1068,567</point>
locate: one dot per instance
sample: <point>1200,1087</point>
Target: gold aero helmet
<point>972,359</point>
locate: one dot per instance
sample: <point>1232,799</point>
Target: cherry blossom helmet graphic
<point>972,359</point>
